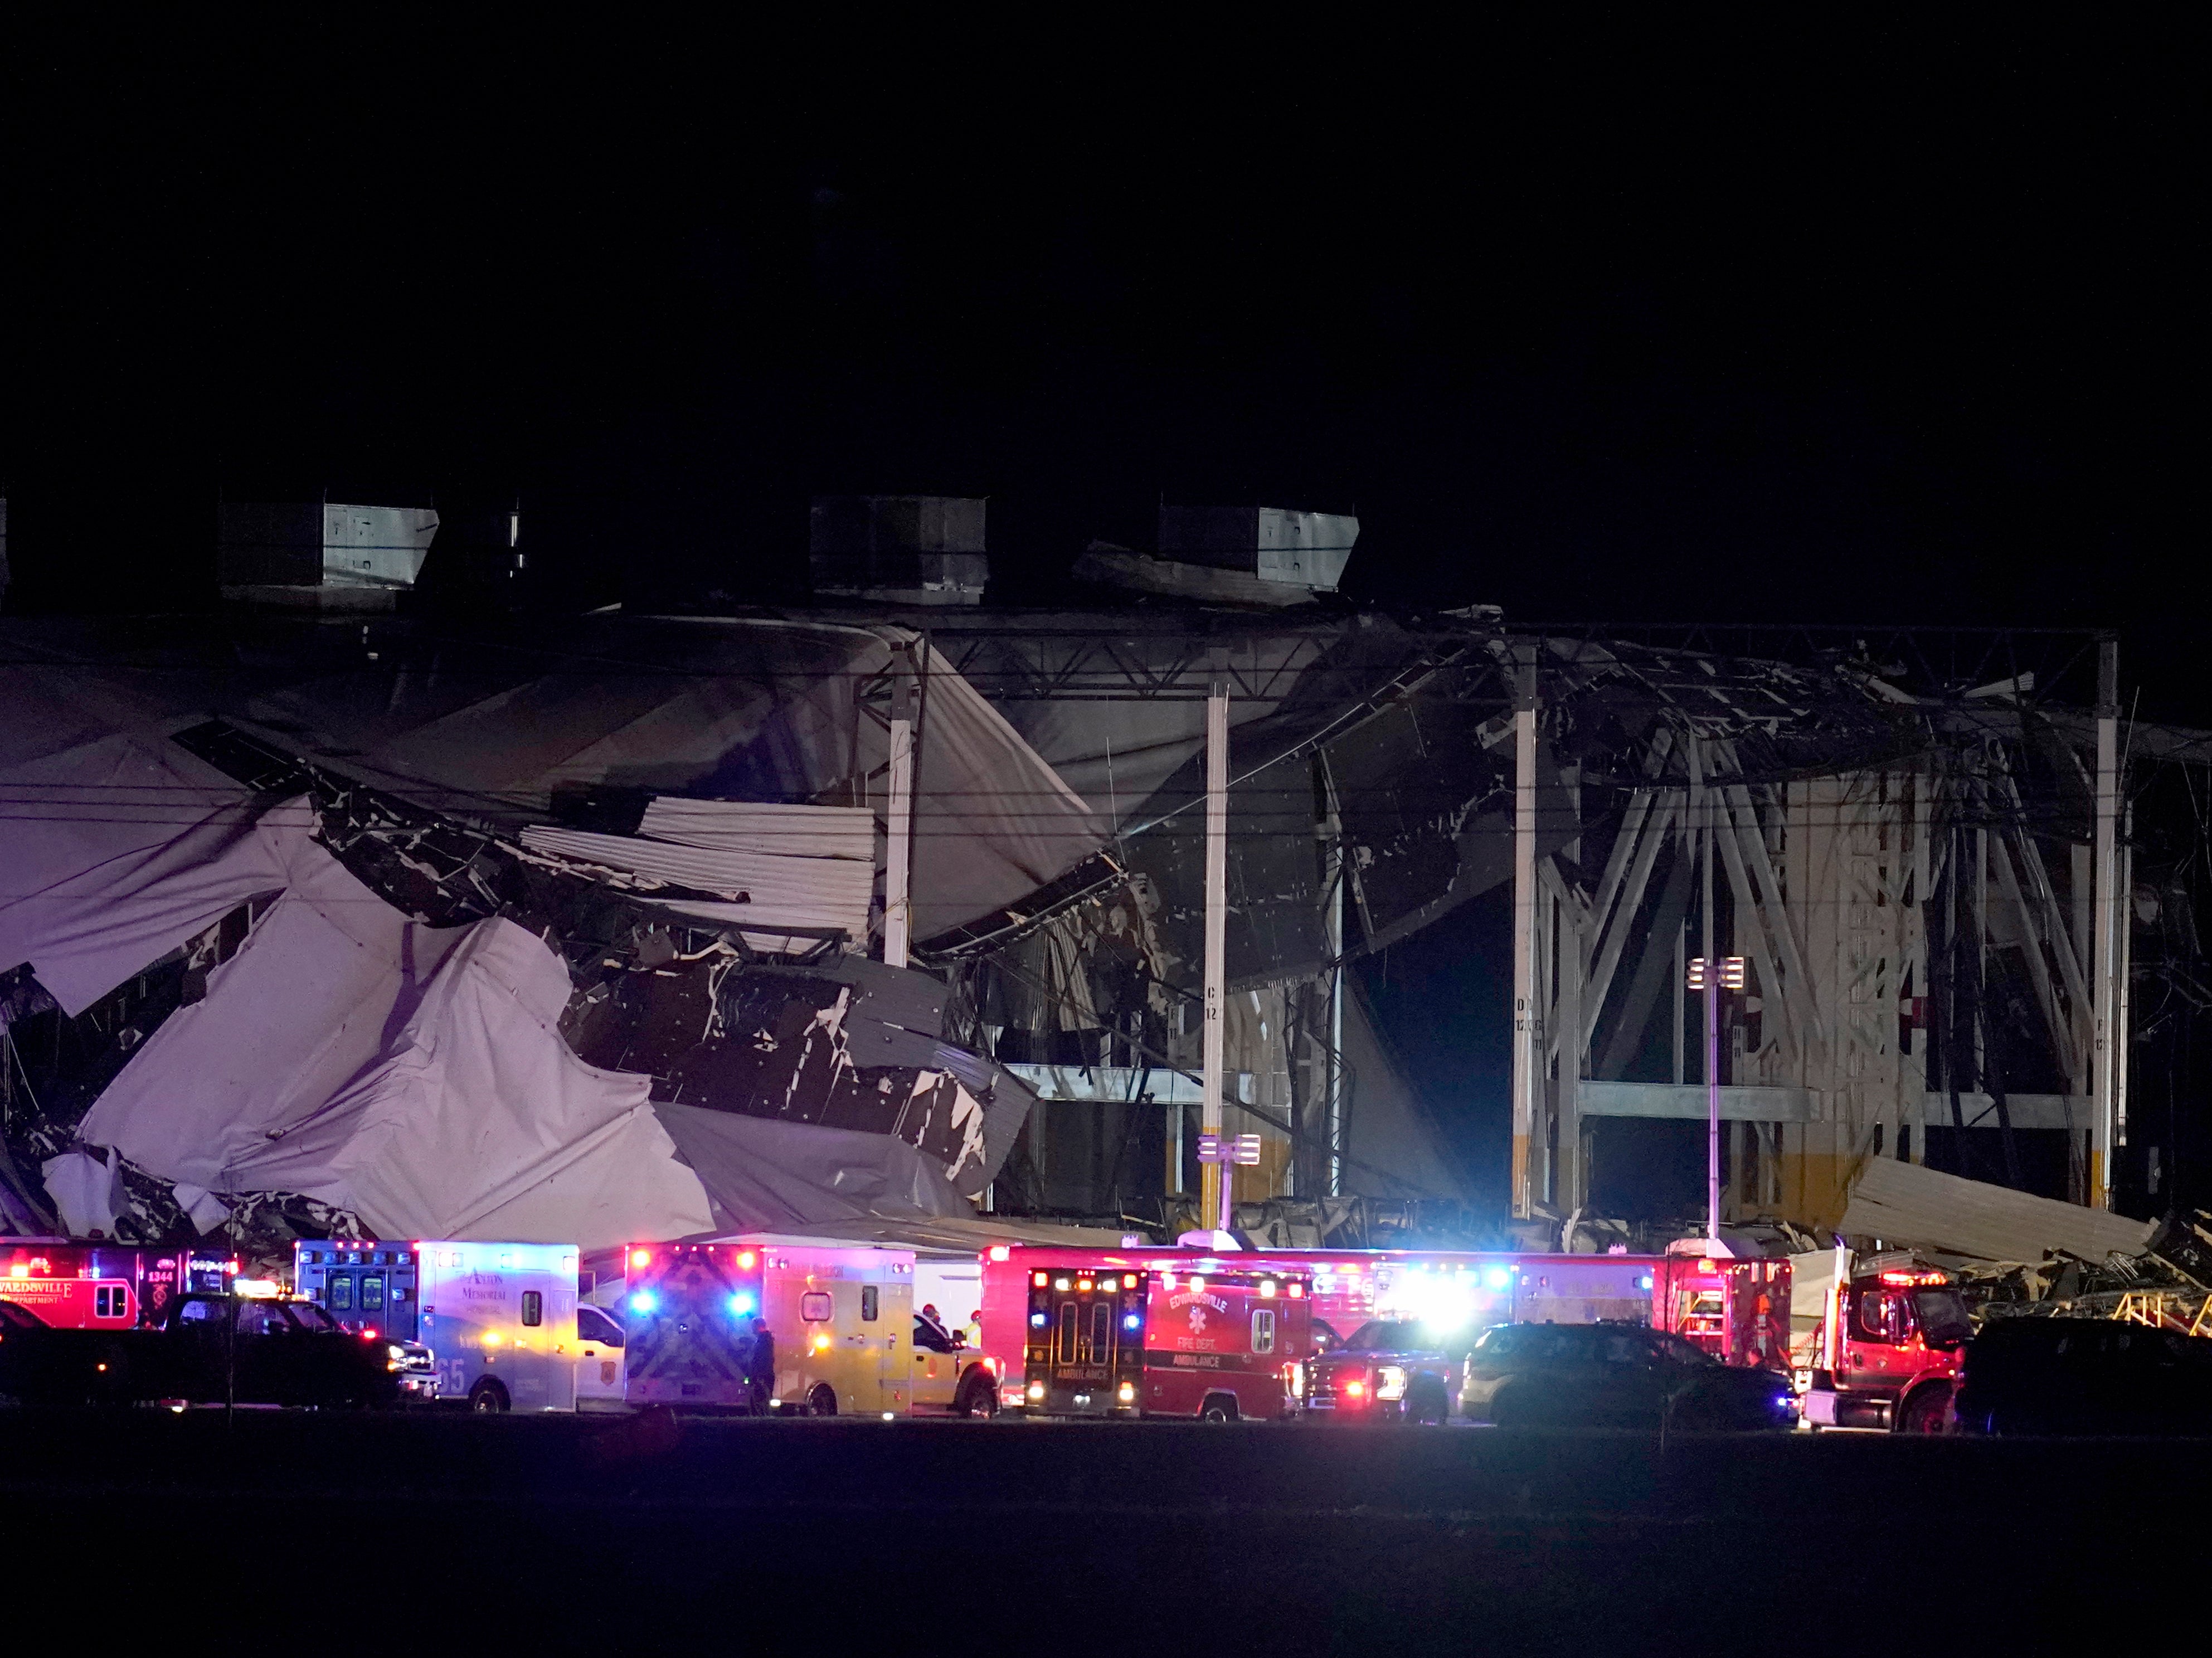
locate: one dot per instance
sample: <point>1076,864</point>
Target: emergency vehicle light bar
<point>1223,1147</point>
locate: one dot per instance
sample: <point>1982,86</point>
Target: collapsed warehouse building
<point>619,925</point>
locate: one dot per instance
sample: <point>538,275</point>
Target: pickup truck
<point>41,1365</point>
<point>203,1349</point>
<point>1391,1370</point>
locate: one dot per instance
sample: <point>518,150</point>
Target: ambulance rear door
<point>890,1333</point>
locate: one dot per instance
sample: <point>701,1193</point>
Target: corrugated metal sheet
<point>1903,1202</point>
<point>745,826</point>
<point>780,892</point>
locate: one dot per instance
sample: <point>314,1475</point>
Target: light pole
<point>1223,1150</point>
<point>1730,977</point>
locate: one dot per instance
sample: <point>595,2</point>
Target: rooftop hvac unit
<point>899,549</point>
<point>322,553</point>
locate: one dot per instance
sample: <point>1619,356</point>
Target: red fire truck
<point>1887,1352</point>
<point>95,1286</point>
<point>1144,1333</point>
<point>1736,1309</point>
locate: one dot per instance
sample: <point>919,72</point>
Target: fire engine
<point>1886,1350</point>
<point>1144,1332</point>
<point>96,1286</point>
<point>1736,1309</point>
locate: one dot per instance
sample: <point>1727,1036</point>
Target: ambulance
<point>842,1317</point>
<point>1087,1332</point>
<point>499,1320</point>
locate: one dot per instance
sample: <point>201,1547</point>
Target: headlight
<point>1391,1382</point>
<point>397,1351</point>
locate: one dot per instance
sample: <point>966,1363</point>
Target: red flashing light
<point>1899,1276</point>
<point>369,1332</point>
<point>1001,1252</point>
<point>748,1261</point>
<point>640,1257</point>
<point>1039,1280</point>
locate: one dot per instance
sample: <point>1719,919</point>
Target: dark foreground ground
<point>437,1534</point>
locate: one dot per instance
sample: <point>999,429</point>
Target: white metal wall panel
<point>743,826</point>
<point>807,892</point>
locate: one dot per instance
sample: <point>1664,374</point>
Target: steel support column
<point>2107,1128</point>
<point>1528,1051</point>
<point>1214,1184</point>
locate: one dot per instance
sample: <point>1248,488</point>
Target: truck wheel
<point>1507,1410</point>
<point>1427,1405</point>
<point>1218,1408</point>
<point>489,1397</point>
<point>1923,1411</point>
<point>823,1401</point>
<point>979,1396</point>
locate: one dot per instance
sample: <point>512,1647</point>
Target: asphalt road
<point>448,1532</point>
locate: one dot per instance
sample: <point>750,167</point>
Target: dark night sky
<point>1861,325</point>
<point>1856,326</point>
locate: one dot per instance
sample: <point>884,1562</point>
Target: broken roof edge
<point>1906,1203</point>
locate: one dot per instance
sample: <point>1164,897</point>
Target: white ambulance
<point>501,1319</point>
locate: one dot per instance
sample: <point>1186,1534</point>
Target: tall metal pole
<point>1704,800</point>
<point>1525,1019</point>
<point>2105,993</point>
<point>1215,1186</point>
<point>2126,957</point>
<point>1333,925</point>
<point>898,859</point>
<point>1681,974</point>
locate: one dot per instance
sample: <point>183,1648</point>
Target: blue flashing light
<point>644,1302</point>
<point>1498,1278</point>
<point>1037,1320</point>
<point>741,1304</point>
<point>1130,1320</point>
<point>1644,1283</point>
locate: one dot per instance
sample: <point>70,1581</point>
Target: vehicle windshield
<point>20,1318</point>
<point>1942,1314</point>
<point>1676,1350</point>
<point>1389,1335</point>
<point>314,1317</point>
<point>593,1325</point>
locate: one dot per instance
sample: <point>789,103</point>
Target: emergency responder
<point>974,1332</point>
<point>935,1323</point>
<point>760,1368</point>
